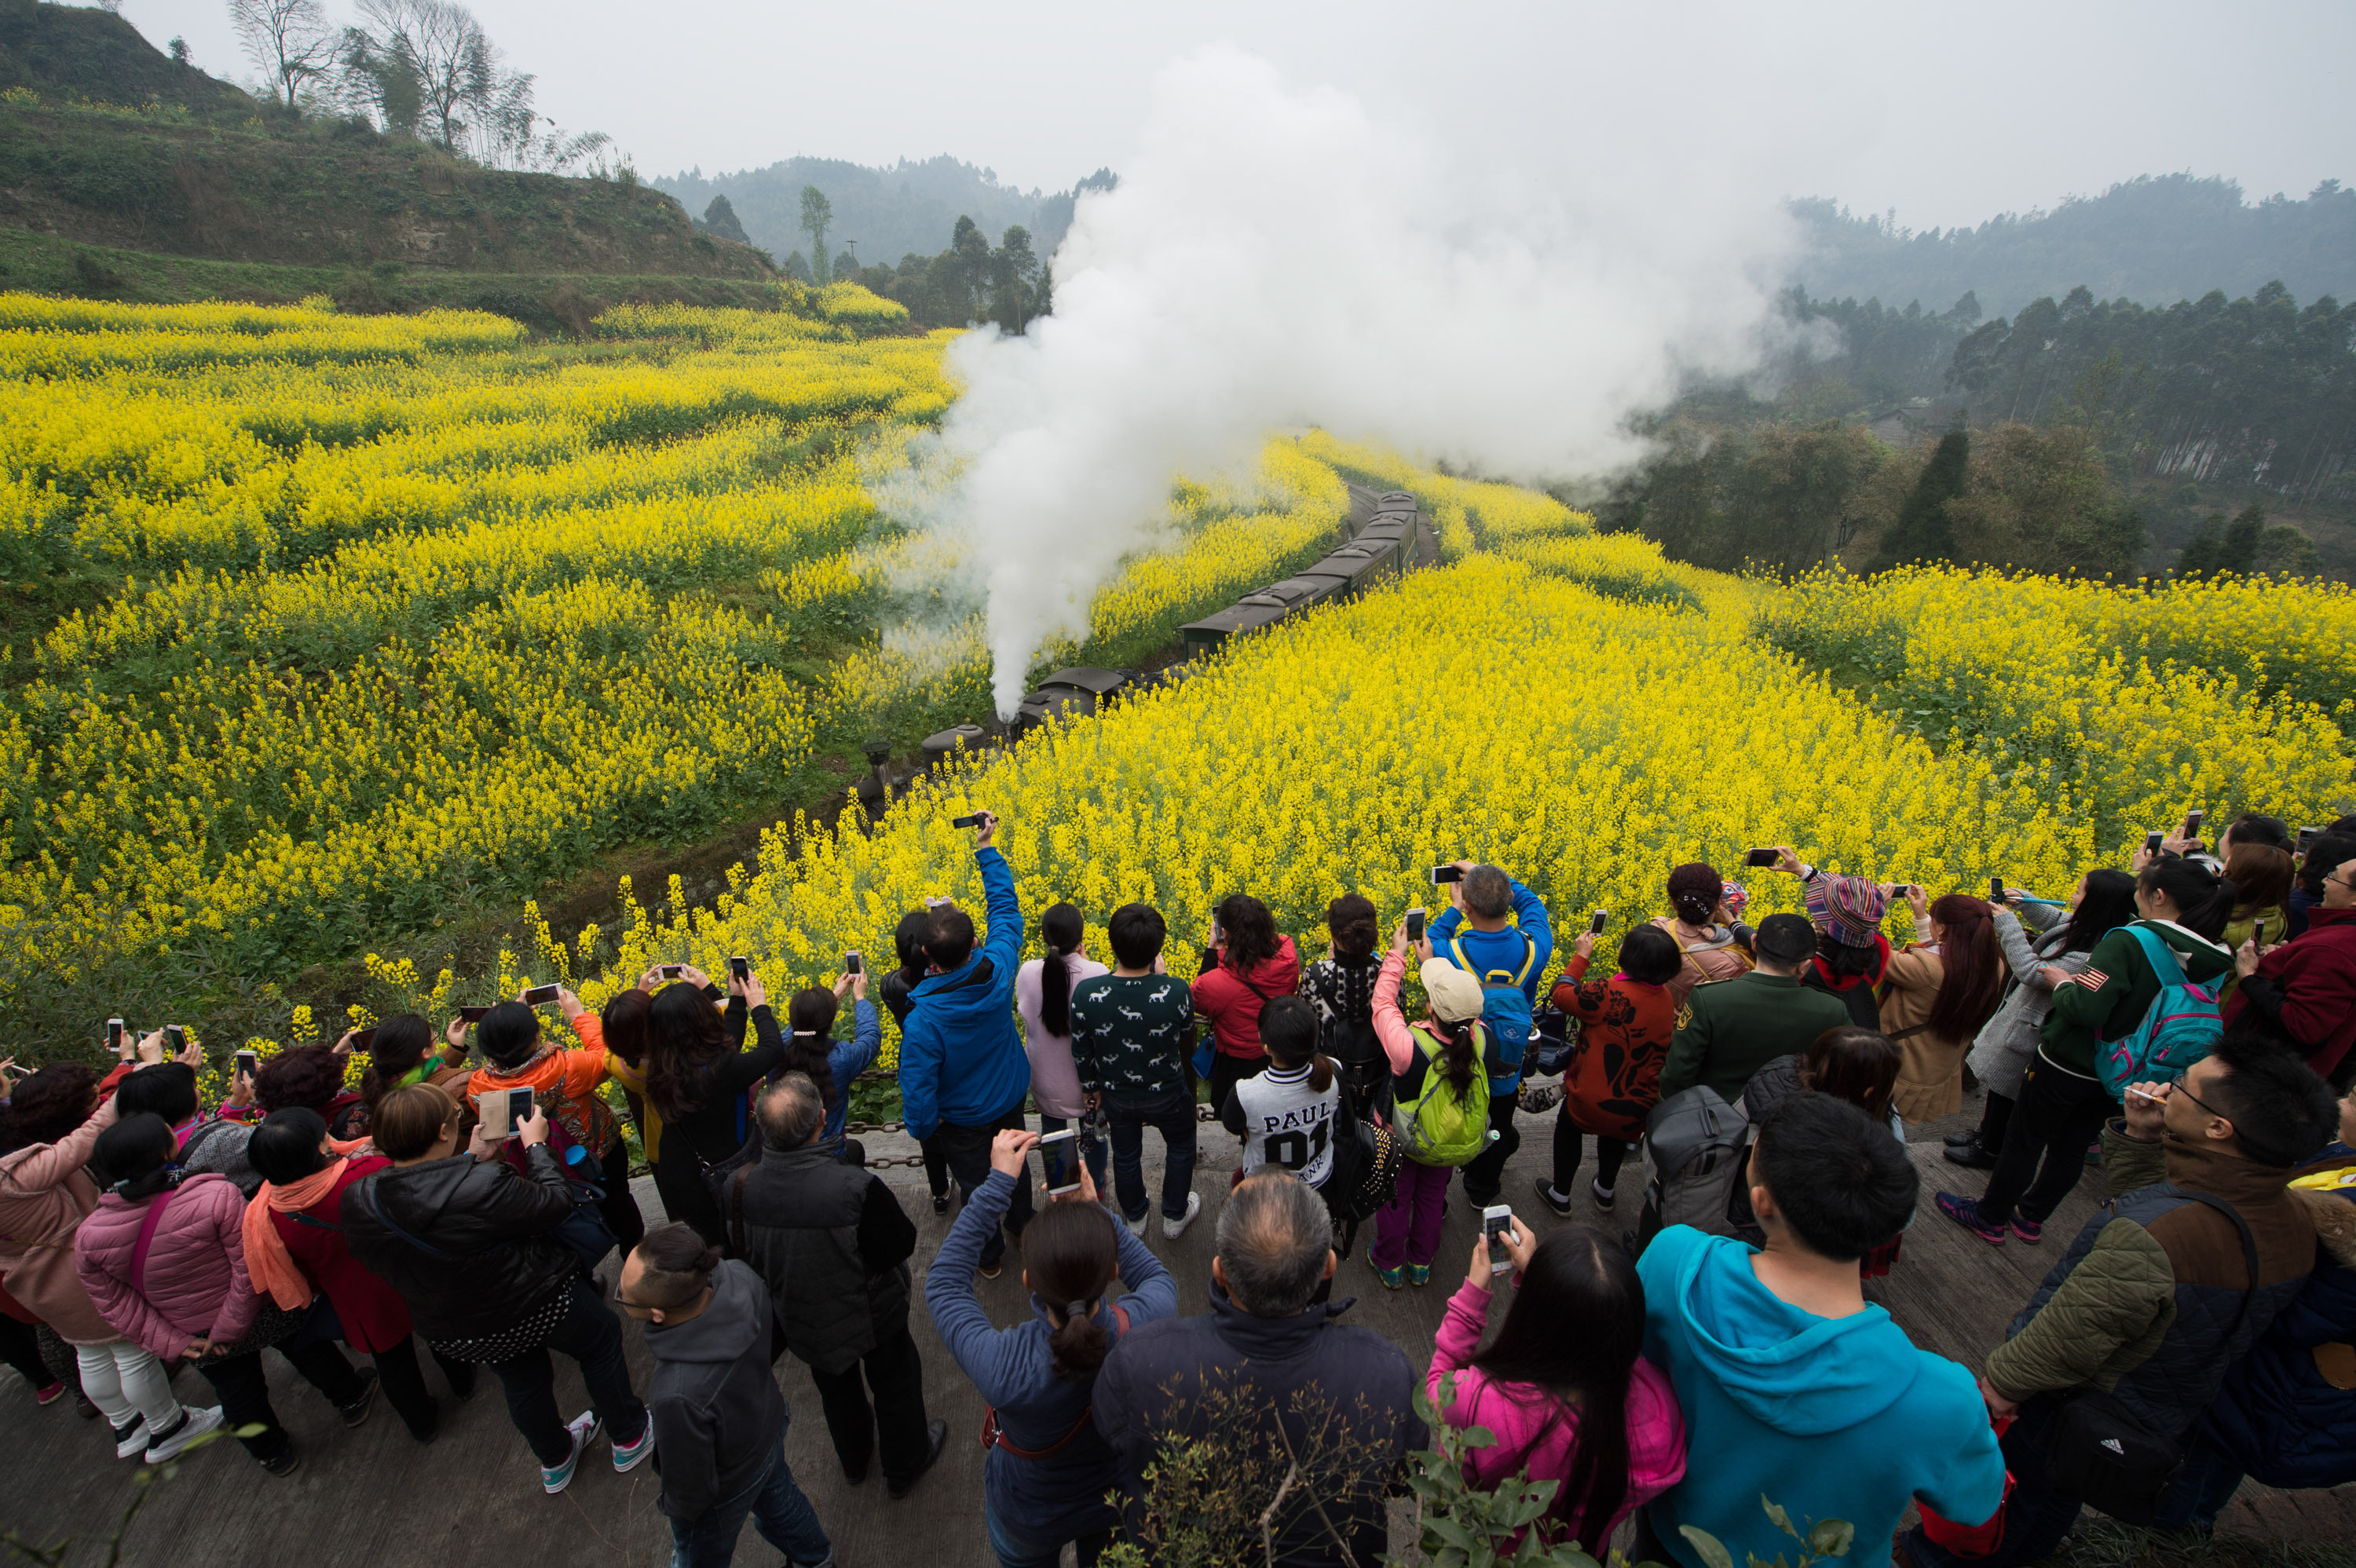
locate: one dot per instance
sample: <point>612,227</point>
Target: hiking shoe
<point>1601,1194</point>
<point>131,1439</point>
<point>1561,1206</point>
<point>1970,1154</point>
<point>2027,1229</point>
<point>358,1411</point>
<point>1957,1140</point>
<point>283,1464</point>
<point>49,1393</point>
<point>583,1429</point>
<point>937,1437</point>
<point>1966,1211</point>
<point>629,1457</point>
<point>1174,1229</point>
<point>193,1424</point>
<point>1392,1278</point>
<point>1419,1274</point>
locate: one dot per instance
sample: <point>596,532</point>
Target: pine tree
<point>720,219</point>
<point>1922,532</point>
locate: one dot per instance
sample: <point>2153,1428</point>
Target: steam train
<point>1387,535</point>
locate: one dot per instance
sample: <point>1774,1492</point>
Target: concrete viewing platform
<point>372,1496</point>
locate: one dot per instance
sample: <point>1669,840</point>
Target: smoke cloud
<point>1279,256</point>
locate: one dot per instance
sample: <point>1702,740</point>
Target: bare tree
<point>290,42</point>
<point>427,69</point>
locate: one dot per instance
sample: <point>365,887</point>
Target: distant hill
<point>73,51</point>
<point>908,209</point>
<point>2154,239</point>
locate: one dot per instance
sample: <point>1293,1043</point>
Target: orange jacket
<point>565,1083</point>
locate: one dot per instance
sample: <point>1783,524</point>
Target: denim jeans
<point>1173,1115</point>
<point>1013,1551</point>
<point>2207,1483</point>
<point>780,1512</point>
<point>1092,1149</point>
<point>592,1336</point>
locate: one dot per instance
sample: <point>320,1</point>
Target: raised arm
<point>980,1351</point>
<point>1390,1024</point>
<point>1530,914</point>
<point>1004,942</point>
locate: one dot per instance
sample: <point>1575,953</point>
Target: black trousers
<point>405,1385</point>
<point>245,1388</point>
<point>1569,1144</point>
<point>936,1166</point>
<point>895,1422</point>
<point>621,1206</point>
<point>20,1347</point>
<point>1226,1071</point>
<point>1484,1174</point>
<point>967,1152</point>
<point>2057,1115</point>
<point>1996,1117</point>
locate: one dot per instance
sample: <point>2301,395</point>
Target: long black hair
<point>685,1036</point>
<point>135,1156</point>
<point>811,1015</point>
<point>2107,904</point>
<point>2203,898</point>
<point>1578,1277</point>
<point>401,1042</point>
<point>1061,929</point>
<point>1250,932</point>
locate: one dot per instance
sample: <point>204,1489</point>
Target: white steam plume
<point>1279,257</point>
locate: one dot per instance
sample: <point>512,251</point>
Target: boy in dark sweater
<point>1132,1032</point>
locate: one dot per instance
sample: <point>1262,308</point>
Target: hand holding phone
<point>472,1015</point>
<point>1760,858</point>
<point>2192,821</point>
<point>247,1062</point>
<point>1059,1162</point>
<point>1443,875</point>
<point>852,963</point>
<point>1414,926</point>
<point>1598,920</point>
<point>740,968</point>
<point>541,995</point>
<point>2151,842</point>
<point>115,1035</point>
<point>1996,891</point>
<point>1496,1228</point>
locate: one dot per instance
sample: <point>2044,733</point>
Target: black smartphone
<point>1760,858</point>
<point>114,1034</point>
<point>1414,926</point>
<point>1444,874</point>
<point>669,970</point>
<point>2151,841</point>
<point>1497,1223</point>
<point>1996,889</point>
<point>740,966</point>
<point>176,1039</point>
<point>851,964</point>
<point>472,1015</point>
<point>247,1062</point>
<point>2192,820</point>
<point>2307,835</point>
<point>971,819</point>
<point>541,995</point>
<point>2258,932</point>
<point>364,1040</point>
<point>519,1108</point>
<point>1598,920</point>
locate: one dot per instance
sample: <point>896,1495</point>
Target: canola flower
<point>1467,514</point>
<point>1623,566</point>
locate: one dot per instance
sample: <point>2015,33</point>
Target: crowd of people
<point>2184,1022</point>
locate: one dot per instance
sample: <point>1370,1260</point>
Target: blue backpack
<point>2181,1026</point>
<point>1504,1007</point>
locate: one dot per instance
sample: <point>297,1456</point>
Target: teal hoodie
<point>1826,1417</point>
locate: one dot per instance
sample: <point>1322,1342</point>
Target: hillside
<point>71,51</point>
<point>892,212</point>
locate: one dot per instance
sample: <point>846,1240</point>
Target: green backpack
<point>1440,1127</point>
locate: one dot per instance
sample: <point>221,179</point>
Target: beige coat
<point>1930,1066</point>
<point>44,1195</point>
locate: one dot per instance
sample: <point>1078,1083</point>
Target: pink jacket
<point>1520,1414</point>
<point>195,1281</point>
<point>44,1194</point>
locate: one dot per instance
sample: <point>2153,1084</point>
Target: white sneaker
<point>1174,1229</point>
<point>1137,1226</point>
<point>131,1441</point>
<point>199,1422</point>
<point>583,1429</point>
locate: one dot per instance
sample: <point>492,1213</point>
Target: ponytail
<point>135,1156</point>
<point>1460,1057</point>
<point>2202,898</point>
<point>1061,927</point>
<point>1079,1343</point>
<point>1288,1029</point>
<point>1069,1253</point>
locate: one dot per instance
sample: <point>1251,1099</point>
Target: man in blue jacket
<point>963,1072</point>
<point>1495,930</point>
<point>1792,1387</point>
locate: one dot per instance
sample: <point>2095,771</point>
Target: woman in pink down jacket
<point>1584,1409</point>
<point>163,1260</point>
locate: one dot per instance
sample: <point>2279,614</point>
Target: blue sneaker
<point>1392,1278</point>
<point>1419,1274</point>
<point>584,1428</point>
<point>1966,1211</point>
<point>629,1457</point>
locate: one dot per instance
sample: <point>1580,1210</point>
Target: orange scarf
<point>268,1265</point>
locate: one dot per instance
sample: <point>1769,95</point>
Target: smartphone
<point>1598,920</point>
<point>472,1015</point>
<point>2307,835</point>
<point>1414,925</point>
<point>176,1039</point>
<point>851,964</point>
<point>541,995</point>
<point>1444,874</point>
<point>1996,889</point>
<point>114,1034</point>
<point>248,1062</point>
<point>2151,842</point>
<point>671,971</point>
<point>1496,1224</point>
<point>2192,820</point>
<point>364,1040</point>
<point>1070,1138</point>
<point>970,819</point>
<point>1760,858</point>
<point>2258,932</point>
<point>740,966</point>
<point>518,1107</point>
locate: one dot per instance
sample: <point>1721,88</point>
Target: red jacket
<point>1234,1007</point>
<point>2309,983</point>
<point>1614,1078</point>
<point>372,1312</point>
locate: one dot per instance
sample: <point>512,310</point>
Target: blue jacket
<point>847,1060</point>
<point>1060,1497</point>
<point>2278,1417</point>
<point>961,1057</point>
<point>1503,950</point>
<point>1826,1417</point>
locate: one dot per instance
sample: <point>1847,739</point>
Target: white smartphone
<point>1069,1153</point>
<point>1497,1223</point>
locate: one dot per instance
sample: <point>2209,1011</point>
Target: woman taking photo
<point>1341,987</point>
<point>1245,965</point>
<point>1937,992</point>
<point>405,1051</point>
<point>1584,1410</point>
<point>2043,944</point>
<point>698,1074</point>
<point>1702,926</point>
<point>829,1063</point>
<point>1042,995</point>
<point>164,1261</point>
<point>1048,1470</point>
<point>2062,1106</point>
<point>294,1251</point>
<point>1447,1057</point>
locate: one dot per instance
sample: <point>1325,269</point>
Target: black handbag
<point>1365,1170</point>
<point>2101,1453</point>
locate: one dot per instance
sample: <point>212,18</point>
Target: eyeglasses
<point>2179,1088</point>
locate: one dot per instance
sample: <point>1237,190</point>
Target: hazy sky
<point>1950,116</point>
